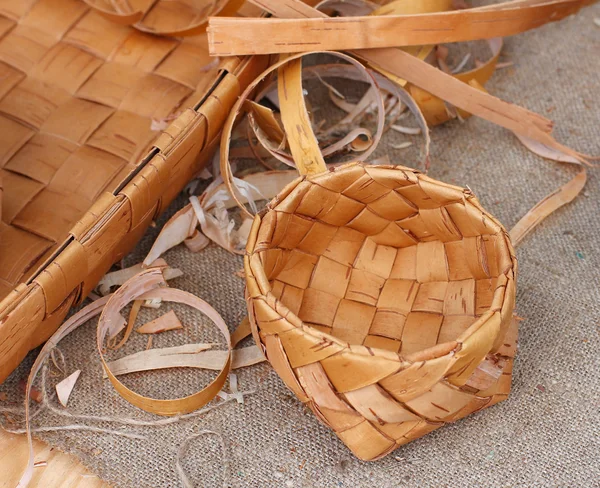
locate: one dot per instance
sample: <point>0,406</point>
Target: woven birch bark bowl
<point>101,126</point>
<point>384,300</point>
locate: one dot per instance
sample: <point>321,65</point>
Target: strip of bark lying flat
<point>237,36</point>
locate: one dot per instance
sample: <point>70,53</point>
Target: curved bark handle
<point>296,122</point>
<point>303,143</point>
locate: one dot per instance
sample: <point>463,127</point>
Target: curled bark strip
<point>177,229</point>
<point>130,323</point>
<point>274,150</point>
<point>563,195</point>
<point>358,140</point>
<point>147,285</point>
<point>547,152</point>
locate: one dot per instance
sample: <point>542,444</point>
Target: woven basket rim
<point>262,289</point>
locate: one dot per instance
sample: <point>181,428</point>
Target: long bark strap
<point>288,35</point>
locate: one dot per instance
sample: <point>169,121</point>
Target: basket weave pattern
<point>82,170</point>
<point>77,99</point>
<point>384,299</point>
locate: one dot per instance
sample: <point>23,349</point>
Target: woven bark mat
<point>546,434</point>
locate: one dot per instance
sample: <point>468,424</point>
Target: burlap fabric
<point>545,434</point>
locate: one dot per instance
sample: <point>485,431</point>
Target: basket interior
<point>81,101</point>
<point>395,264</point>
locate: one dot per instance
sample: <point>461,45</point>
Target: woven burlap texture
<point>545,434</point>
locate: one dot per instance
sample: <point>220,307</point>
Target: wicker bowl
<point>384,300</point>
